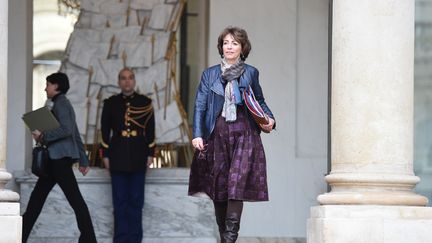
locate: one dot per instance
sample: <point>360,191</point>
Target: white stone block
<point>91,5</point>
<point>98,21</point>
<point>147,4</point>
<point>171,119</point>
<point>369,224</point>
<point>10,223</point>
<point>138,54</point>
<point>9,209</point>
<point>160,16</point>
<point>114,7</point>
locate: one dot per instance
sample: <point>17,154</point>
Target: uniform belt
<point>127,134</point>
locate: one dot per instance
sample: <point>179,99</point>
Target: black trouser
<point>128,202</point>
<point>60,172</point>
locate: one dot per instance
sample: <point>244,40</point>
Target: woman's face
<point>231,49</point>
<point>51,90</point>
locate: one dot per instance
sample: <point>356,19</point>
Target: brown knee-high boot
<point>220,213</point>
<point>232,221</point>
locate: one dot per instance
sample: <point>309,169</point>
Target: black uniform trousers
<point>128,202</point>
<point>60,172</point>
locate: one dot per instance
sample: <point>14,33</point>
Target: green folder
<point>41,119</point>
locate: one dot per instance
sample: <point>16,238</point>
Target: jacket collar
<point>245,79</point>
<point>217,85</point>
<point>57,97</point>
<point>131,96</point>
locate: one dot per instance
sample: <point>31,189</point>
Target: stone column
<point>371,129</point>
<point>372,104</point>
<point>10,220</point>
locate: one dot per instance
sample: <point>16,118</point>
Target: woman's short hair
<point>240,35</point>
<point>61,79</point>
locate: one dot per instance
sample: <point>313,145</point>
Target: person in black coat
<point>65,148</point>
<point>128,134</point>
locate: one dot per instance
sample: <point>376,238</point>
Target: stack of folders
<point>41,119</point>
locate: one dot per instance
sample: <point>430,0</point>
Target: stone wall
<point>170,216</point>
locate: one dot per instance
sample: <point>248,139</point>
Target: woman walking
<point>65,148</point>
<point>229,164</point>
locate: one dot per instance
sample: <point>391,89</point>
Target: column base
<point>389,198</point>
<point>10,222</point>
<point>372,189</point>
<point>366,224</point>
<point>7,195</point>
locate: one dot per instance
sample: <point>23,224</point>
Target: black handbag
<point>40,160</point>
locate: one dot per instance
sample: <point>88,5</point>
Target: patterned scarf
<point>230,75</point>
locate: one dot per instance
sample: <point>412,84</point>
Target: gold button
<point>128,124</point>
<point>128,104</point>
<point>128,130</point>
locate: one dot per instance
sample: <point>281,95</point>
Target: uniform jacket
<point>128,132</point>
<point>65,141</point>
<point>210,98</point>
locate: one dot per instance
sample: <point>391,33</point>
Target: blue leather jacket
<point>210,98</point>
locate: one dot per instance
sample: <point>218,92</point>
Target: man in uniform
<point>128,133</point>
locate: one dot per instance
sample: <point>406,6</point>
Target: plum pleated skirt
<point>233,163</point>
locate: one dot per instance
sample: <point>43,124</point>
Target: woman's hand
<point>84,170</point>
<point>36,134</point>
<point>198,143</point>
<point>268,127</point>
